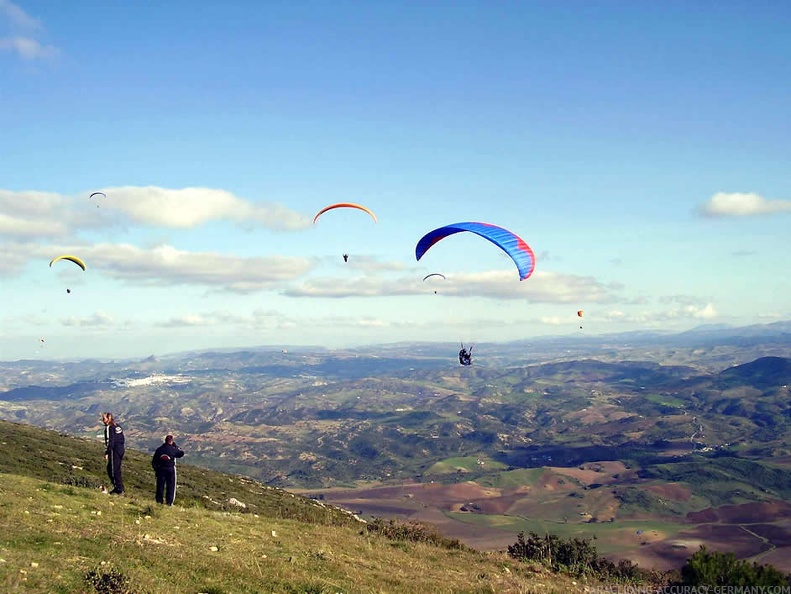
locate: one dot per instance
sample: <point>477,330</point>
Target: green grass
<point>66,460</point>
<point>57,529</point>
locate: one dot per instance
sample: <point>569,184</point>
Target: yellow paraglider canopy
<point>74,259</point>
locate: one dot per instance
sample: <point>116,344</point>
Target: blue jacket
<point>114,439</point>
<point>165,456</point>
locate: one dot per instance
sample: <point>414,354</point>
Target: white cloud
<point>739,205</point>
<point>189,207</point>
<point>18,17</point>
<point>51,215</point>
<point>542,287</point>
<point>368,286</point>
<point>23,25</point>
<point>17,227</point>
<point>28,48</point>
<point>166,265</point>
<point>551,287</point>
<point>17,254</point>
<point>189,320</point>
<point>257,320</point>
<point>706,313</point>
<point>657,317</point>
<point>371,323</point>
<point>98,319</point>
<point>42,215</point>
<point>373,264</point>
<point>684,300</point>
<point>555,320</point>
<point>32,203</point>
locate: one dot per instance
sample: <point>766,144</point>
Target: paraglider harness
<point>465,356</point>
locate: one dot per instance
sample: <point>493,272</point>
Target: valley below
<point>651,447</point>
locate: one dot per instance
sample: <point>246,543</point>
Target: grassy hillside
<point>60,533</point>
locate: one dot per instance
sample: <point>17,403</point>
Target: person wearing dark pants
<point>114,443</point>
<point>164,465</point>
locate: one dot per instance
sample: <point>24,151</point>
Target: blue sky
<point>641,149</point>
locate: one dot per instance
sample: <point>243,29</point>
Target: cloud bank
<point>165,265</point>
<point>48,215</point>
<point>190,207</point>
<point>742,205</point>
<point>542,287</point>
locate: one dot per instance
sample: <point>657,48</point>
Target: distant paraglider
<point>509,242</point>
<point>344,205</point>
<point>96,196</point>
<point>580,313</point>
<point>74,259</point>
<point>442,276</point>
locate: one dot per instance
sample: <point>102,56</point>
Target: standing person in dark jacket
<point>114,452</point>
<point>164,464</point>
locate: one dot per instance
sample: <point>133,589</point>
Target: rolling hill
<point>596,437</point>
<point>226,534</point>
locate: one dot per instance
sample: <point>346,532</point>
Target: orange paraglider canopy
<point>344,205</point>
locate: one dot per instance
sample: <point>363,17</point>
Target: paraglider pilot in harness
<point>345,257</point>
<point>465,356</point>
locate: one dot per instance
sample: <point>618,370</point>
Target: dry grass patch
<point>54,536</point>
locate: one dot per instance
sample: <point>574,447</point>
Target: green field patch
<point>664,399</point>
<point>512,478</point>
<point>490,465</point>
<point>609,537</point>
<point>467,463</point>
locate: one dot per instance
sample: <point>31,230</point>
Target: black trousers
<point>114,470</point>
<point>166,485</point>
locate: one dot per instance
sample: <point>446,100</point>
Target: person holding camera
<point>164,465</point>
